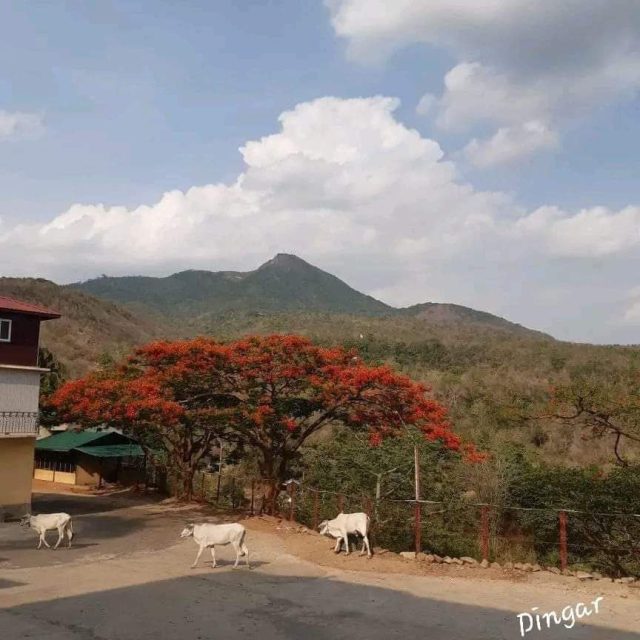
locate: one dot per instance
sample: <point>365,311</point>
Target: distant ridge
<point>286,283</point>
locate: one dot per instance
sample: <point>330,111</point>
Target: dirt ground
<point>128,578</point>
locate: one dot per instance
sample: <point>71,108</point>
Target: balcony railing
<point>18,423</point>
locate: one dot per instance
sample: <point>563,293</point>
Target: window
<point>5,330</point>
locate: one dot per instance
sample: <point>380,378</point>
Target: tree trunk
<point>269,477</point>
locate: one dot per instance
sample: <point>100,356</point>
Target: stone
<point>518,566</point>
<point>583,575</point>
<point>554,570</point>
<point>536,567</point>
<point>437,558</point>
<point>527,566</point>
<point>457,561</point>
<point>408,555</point>
<point>484,564</point>
<point>626,580</point>
<point>447,560</point>
<point>596,575</point>
<point>508,565</point>
<point>495,565</point>
<point>468,560</point>
<point>379,551</point>
<point>427,557</point>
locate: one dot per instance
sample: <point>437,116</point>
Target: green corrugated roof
<point>113,451</point>
<point>68,440</point>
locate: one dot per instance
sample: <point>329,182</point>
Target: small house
<point>19,390</point>
<point>88,458</point>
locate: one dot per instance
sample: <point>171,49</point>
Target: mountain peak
<point>285,261</point>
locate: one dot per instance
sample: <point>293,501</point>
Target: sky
<point>479,152</point>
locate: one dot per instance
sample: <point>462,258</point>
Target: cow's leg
<point>236,546</point>
<point>195,562</point>
<point>365,541</point>
<point>338,545</point>
<point>60,536</point>
<point>246,554</point>
<point>213,557</point>
<point>346,543</point>
<point>43,541</point>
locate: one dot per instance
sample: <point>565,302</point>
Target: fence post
<point>563,541</point>
<point>340,503</point>
<point>484,532</point>
<point>292,503</point>
<point>316,500</point>
<point>418,527</point>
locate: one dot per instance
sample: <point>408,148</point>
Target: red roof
<point>19,306</point>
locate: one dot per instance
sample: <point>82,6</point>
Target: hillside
<point>88,329</point>
<point>489,372</point>
<point>284,284</point>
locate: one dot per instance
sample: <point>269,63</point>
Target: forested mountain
<point>493,375</point>
<point>285,283</point>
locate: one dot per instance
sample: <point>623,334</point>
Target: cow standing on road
<point>49,522</point>
<point>210,535</point>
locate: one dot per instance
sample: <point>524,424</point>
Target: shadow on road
<point>81,504</point>
<point>8,584</point>
<point>249,604</point>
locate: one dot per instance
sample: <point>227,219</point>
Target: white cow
<point>343,525</point>
<point>210,535</point>
<point>48,522</point>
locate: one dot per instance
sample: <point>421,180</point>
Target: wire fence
<point>560,537</point>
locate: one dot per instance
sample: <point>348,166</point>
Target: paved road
<point>130,593</point>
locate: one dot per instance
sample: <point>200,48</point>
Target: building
<point>88,458</point>
<point>19,394</point>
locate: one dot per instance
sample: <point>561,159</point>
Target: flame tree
<point>269,394</point>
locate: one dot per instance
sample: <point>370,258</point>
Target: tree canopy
<point>267,393</point>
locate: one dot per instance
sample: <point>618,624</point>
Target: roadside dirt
<point>308,545</point>
<point>129,578</point>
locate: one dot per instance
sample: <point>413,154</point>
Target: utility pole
<point>416,466</point>
<point>416,479</point>
<point>418,508</point>
<point>220,463</point>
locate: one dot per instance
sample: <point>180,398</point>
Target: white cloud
<point>597,232</point>
<point>510,143</point>
<point>346,185</point>
<point>18,124</point>
<point>516,63</point>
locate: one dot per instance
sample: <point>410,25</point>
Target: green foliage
<point>49,382</point>
<point>598,538</point>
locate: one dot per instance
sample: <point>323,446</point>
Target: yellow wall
<point>43,474</point>
<point>16,471</point>
<point>64,477</point>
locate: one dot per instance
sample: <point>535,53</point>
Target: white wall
<point>19,389</point>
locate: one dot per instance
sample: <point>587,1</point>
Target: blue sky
<point>525,164</point>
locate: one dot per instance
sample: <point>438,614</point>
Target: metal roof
<point>113,451</point>
<point>19,306</point>
<point>69,440</point>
